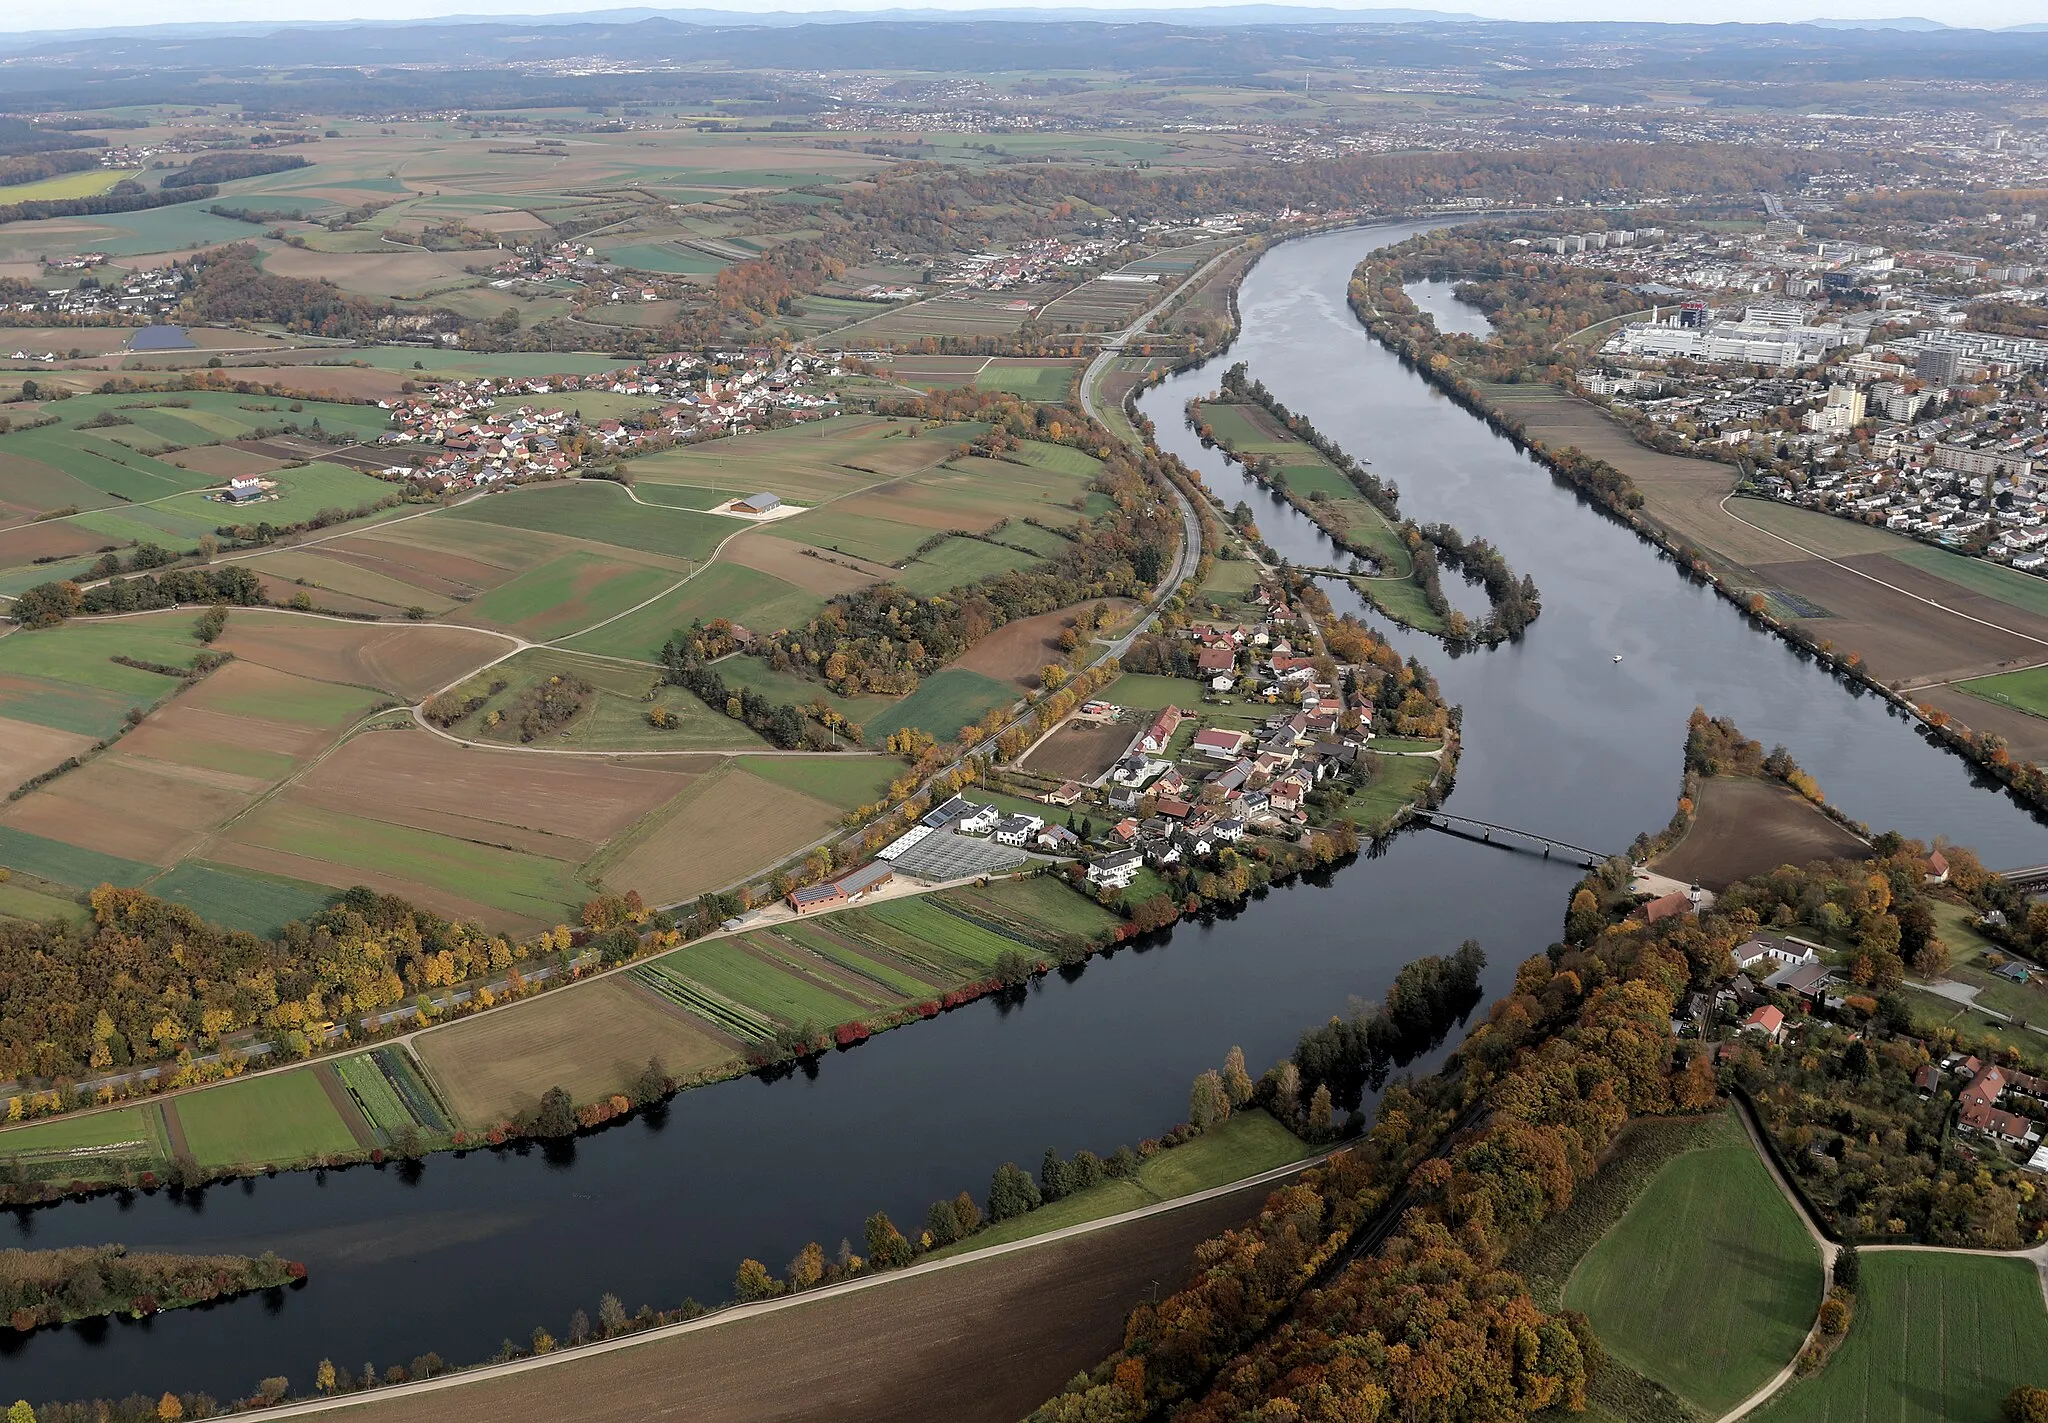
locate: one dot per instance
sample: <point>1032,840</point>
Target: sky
<point>82,14</point>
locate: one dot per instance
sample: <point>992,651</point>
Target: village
<point>467,434</point>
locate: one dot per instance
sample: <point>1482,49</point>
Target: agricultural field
<point>90,1146</point>
<point>943,703</point>
<point>1936,1337</point>
<point>604,513</point>
<point>282,1119</point>
<point>613,716</point>
<point>490,1068</point>
<point>1081,750</point>
<point>1747,826</point>
<point>721,829</point>
<point>1710,1282</point>
<point>725,589</point>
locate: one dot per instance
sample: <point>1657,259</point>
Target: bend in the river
<point>464,1252</point>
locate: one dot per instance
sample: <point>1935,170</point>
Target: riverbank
<point>1841,593</point>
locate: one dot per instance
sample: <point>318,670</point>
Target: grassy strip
<point>1250,1143</point>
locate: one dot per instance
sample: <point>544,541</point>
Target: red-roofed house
<point>1987,1120</point>
<point>1216,659</point>
<point>1667,906</point>
<point>1766,1020</point>
<point>1219,744</point>
<point>1162,729</point>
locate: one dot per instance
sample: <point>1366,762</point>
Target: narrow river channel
<point>465,1252</point>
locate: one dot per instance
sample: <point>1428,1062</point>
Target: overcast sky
<point>1989,14</point>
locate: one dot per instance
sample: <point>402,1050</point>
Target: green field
<point>1710,1282</point>
<point>90,183</point>
<point>1047,383</point>
<point>843,781</point>
<point>1149,693</point>
<point>667,258</point>
<point>301,493</point>
<point>603,512</point>
<point>923,922</point>
<point>729,970</point>
<point>945,702</point>
<point>959,561</point>
<point>760,601</point>
<point>2026,691</point>
<point>1937,1339</point>
<point>529,885</point>
<point>59,863</point>
<point>18,901</point>
<point>281,1118</point>
<point>241,899</point>
<point>569,593</point>
<point>1399,782</point>
<point>1035,904</point>
<point>878,540</point>
<point>1993,580</point>
<point>1249,1144</point>
<point>87,1130</point>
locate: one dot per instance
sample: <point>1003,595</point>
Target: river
<point>463,1252</point>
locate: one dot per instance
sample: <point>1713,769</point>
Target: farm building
<point>1219,744</point>
<point>857,884</point>
<point>241,490</point>
<point>813,897</point>
<point>757,504</point>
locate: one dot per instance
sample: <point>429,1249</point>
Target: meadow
<point>1936,1337</point>
<point>1709,1283</point>
<point>280,1119</point>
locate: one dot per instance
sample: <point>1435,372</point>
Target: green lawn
<point>1400,780</point>
<point>1039,901</point>
<point>945,702</point>
<point>1710,1282</point>
<point>2026,691</point>
<point>603,512</point>
<point>282,1118</point>
<point>1150,693</point>
<point>1249,1144</point>
<point>1936,1339</point>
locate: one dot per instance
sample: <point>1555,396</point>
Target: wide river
<point>465,1252</point>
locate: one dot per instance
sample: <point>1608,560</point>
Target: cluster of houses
<point>1986,1094</point>
<point>146,296</point>
<point>1229,781</point>
<point>1982,1087</point>
<point>472,440</point>
<point>1031,262</point>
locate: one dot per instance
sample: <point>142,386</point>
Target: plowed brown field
<point>984,1342</point>
<point>29,750</point>
<point>561,806</point>
<point>828,574</point>
<point>408,661</point>
<point>1747,827</point>
<point>593,1040</point>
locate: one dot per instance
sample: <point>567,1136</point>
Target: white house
<point>1116,870</point>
